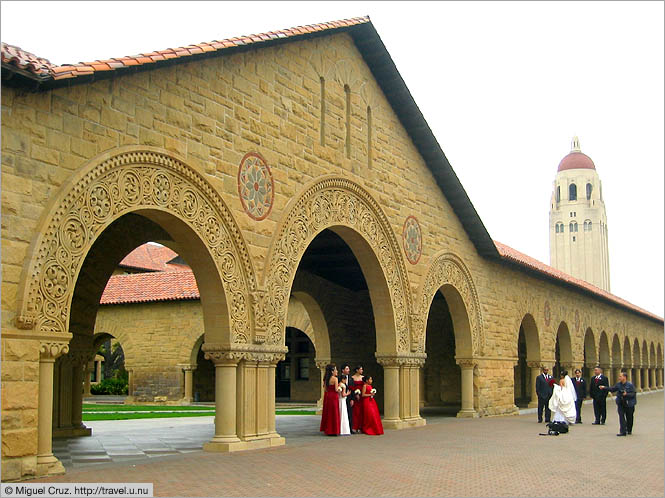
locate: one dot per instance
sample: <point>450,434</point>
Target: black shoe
<point>540,421</point>
<point>602,423</point>
<point>578,421</point>
<point>547,421</point>
<point>620,434</point>
<point>629,432</point>
<point>595,423</point>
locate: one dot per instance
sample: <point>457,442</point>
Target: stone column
<point>421,386</point>
<point>87,372</point>
<point>225,438</point>
<point>535,367</point>
<point>189,383</point>
<point>46,462</point>
<point>391,391</point>
<point>272,430</point>
<point>652,384</point>
<point>660,377</point>
<point>98,369</point>
<point>638,380</point>
<point>321,365</point>
<point>467,365</point>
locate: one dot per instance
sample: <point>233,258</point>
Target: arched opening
<point>447,341</point>
<point>333,315</point>
<point>563,352</point>
<point>616,359</point>
<point>645,366</point>
<point>202,378</point>
<point>652,366</point>
<point>572,192</point>
<point>591,358</point>
<point>528,362</point>
<point>637,361</point>
<point>627,359</point>
<point>589,189</point>
<point>604,353</point>
<point>659,358</point>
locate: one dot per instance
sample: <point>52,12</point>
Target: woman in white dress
<point>562,402</point>
<point>344,429</point>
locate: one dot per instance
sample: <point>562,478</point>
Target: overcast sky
<point>503,85</point>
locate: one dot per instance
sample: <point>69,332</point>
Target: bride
<point>562,402</point>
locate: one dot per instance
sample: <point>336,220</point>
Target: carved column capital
<point>322,363</point>
<point>50,350</point>
<point>220,354</point>
<point>466,362</point>
<point>534,364</point>
<point>391,360</point>
<point>187,367</point>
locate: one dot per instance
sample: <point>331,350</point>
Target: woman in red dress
<point>357,384</point>
<point>330,415</point>
<point>371,419</point>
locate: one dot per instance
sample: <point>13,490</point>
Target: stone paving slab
<point>502,456</point>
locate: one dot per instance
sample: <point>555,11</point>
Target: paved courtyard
<point>501,456</point>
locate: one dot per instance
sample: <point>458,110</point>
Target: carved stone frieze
<point>123,183</point>
<point>220,354</point>
<point>328,202</point>
<point>449,269</point>
<point>413,359</point>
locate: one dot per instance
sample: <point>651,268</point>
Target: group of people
<point>564,398</point>
<point>349,406</point>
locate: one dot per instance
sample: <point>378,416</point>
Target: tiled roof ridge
<point>151,287</point>
<point>527,261</point>
<point>45,70</point>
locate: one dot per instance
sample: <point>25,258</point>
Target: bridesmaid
<point>371,419</point>
<point>330,422</point>
<point>357,384</point>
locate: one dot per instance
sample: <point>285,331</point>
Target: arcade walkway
<point>501,456</point>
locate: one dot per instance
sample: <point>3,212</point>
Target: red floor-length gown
<point>371,419</point>
<point>330,414</point>
<point>357,406</point>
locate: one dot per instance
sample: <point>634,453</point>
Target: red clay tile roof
<point>522,259</point>
<point>151,257</point>
<point>45,70</point>
<point>151,287</point>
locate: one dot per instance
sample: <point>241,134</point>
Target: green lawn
<point>126,412</point>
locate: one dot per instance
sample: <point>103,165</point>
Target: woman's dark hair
<point>344,378</point>
<point>365,377</point>
<point>358,368</point>
<point>563,374</point>
<point>329,373</point>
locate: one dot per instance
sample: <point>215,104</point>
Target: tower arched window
<point>573,226</point>
<point>589,189</point>
<point>558,193</point>
<point>587,225</point>
<point>572,192</point>
<point>559,227</point>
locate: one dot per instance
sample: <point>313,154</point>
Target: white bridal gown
<point>562,403</point>
<point>344,429</point>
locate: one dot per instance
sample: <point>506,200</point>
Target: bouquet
<point>373,392</point>
<point>340,388</point>
<point>357,392</point>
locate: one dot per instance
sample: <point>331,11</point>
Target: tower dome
<point>576,159</point>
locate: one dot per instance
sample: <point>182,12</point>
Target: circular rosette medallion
<point>412,239</point>
<point>255,186</point>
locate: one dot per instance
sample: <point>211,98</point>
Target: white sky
<point>503,85</point>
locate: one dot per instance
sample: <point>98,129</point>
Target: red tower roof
<point>576,160</point>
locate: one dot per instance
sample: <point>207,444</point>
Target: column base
<point>221,446</point>
<point>48,465</point>
<point>399,424</point>
<point>81,431</point>
<point>467,414</point>
<point>414,422</point>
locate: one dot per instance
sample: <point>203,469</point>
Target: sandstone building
<point>295,175</point>
<point>578,222</point>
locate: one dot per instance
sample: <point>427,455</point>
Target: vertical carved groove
<point>369,137</point>
<point>347,91</point>
<point>322,126</point>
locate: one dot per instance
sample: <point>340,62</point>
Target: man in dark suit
<point>626,400</point>
<point>580,389</point>
<point>599,395</point>
<point>544,392</point>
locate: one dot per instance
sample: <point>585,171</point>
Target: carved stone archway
<point>448,269</point>
<point>143,180</point>
<point>332,202</point>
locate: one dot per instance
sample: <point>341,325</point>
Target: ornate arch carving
<point>446,268</point>
<point>111,186</point>
<point>326,202</point>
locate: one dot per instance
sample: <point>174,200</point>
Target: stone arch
<point>311,322</point>
<point>627,356</point>
<point>565,345</point>
<point>590,353</point>
<point>652,355</point>
<point>448,273</point>
<point>637,358</point>
<point>108,328</point>
<point>645,354</point>
<point>345,207</point>
<point>530,328</point>
<point>659,356</point>
<point>604,357</point>
<point>161,187</point>
<point>194,350</point>
<point>616,351</point>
